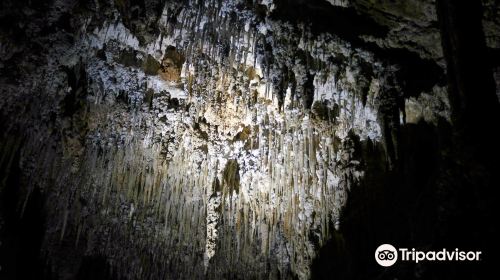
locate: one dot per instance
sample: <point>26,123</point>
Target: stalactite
<point>159,168</point>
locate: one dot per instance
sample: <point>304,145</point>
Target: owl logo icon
<point>386,255</point>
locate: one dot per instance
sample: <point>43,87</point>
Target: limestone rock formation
<point>213,139</point>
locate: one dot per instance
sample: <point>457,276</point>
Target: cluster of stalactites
<point>247,181</point>
<point>294,182</point>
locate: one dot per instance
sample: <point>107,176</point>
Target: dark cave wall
<point>441,193</point>
<point>21,234</point>
<point>423,203</point>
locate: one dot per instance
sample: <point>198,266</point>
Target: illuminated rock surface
<point>219,139</point>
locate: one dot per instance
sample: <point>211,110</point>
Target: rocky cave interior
<point>247,139</point>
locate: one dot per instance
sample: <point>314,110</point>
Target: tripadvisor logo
<point>387,255</point>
